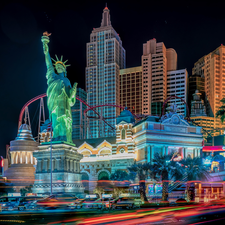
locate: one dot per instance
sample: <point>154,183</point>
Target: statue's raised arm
<point>45,40</point>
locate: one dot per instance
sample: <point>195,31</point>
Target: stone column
<point>31,159</point>
<point>39,164</point>
<point>21,157</point>
<point>71,165</point>
<point>45,167</point>
<point>74,166</point>
<point>78,167</point>
<point>12,157</point>
<point>67,164</point>
<point>57,167</point>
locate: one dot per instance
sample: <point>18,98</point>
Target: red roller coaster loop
<point>108,105</point>
<point>44,95</point>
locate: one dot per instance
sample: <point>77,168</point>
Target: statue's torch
<point>45,37</point>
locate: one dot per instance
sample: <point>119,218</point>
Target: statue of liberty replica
<point>61,96</point>
<point>58,162</point>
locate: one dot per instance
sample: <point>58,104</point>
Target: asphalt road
<point>172,215</point>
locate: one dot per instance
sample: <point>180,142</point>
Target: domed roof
<point>24,133</point>
<point>125,116</point>
<point>126,112</point>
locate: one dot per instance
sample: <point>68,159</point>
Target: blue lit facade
<point>79,122</point>
<point>105,58</point>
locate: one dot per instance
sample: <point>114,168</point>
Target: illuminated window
<point>123,134</point>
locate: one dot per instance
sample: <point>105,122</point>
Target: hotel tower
<point>105,58</point>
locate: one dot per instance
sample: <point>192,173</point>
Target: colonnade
<point>58,164</point>
<point>22,157</point>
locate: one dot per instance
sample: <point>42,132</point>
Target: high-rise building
<point>156,62</point>
<point>131,89</point>
<point>79,121</point>
<point>105,58</point>
<point>177,85</point>
<point>212,68</point>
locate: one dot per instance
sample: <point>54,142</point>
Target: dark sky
<point>192,29</point>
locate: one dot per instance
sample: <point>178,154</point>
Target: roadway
<point>179,215</point>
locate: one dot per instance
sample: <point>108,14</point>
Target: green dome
<point>125,116</point>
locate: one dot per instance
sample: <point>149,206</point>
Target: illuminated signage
<point>14,194</point>
<point>106,195</point>
<point>207,161</point>
<point>91,196</point>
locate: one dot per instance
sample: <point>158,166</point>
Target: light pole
<point>51,162</point>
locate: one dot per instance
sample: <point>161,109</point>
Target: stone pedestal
<point>66,175</point>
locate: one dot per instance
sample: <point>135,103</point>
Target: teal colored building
<point>105,58</point>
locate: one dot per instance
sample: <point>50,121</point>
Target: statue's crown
<point>57,61</point>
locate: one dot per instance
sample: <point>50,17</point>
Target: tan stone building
<point>131,89</point>
<point>156,62</point>
<point>212,68</point>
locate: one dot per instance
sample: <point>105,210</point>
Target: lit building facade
<point>177,85</point>
<point>79,120</point>
<point>199,117</point>
<point>105,58</point>
<point>131,89</point>
<point>212,68</point>
<point>156,62</point>
<point>137,141</point>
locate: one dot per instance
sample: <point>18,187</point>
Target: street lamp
<point>50,154</point>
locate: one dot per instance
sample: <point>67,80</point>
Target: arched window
<point>123,134</point>
<point>86,152</point>
<point>105,152</point>
<point>103,176</point>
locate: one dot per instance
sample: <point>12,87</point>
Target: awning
<point>219,148</point>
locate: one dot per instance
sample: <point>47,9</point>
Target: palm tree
<point>221,112</point>
<point>120,182</point>
<point>167,168</point>
<point>142,170</point>
<point>195,170</point>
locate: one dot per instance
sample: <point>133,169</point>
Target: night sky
<point>192,29</point>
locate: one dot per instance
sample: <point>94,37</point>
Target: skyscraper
<point>79,123</point>
<point>105,58</point>
<point>156,62</point>
<point>131,89</point>
<point>212,68</point>
<point>177,86</point>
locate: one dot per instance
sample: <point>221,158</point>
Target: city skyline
<point>22,60</point>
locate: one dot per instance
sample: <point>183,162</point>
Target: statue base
<point>66,177</point>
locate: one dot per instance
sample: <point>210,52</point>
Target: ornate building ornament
<point>172,117</point>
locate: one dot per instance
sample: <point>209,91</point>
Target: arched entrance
<point>85,182</point>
